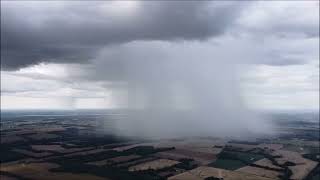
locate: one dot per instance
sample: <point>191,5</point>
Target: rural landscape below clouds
<point>178,90</point>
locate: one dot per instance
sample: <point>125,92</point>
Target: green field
<point>248,157</point>
<point>228,164</point>
<point>316,177</point>
<point>231,160</point>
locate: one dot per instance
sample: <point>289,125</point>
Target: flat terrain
<point>154,165</point>
<point>73,146</point>
<point>260,172</point>
<point>40,171</point>
<point>267,163</point>
<point>206,172</point>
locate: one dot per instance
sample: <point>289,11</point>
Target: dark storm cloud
<point>75,31</point>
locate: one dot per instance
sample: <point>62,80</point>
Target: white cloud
<point>18,102</point>
<point>282,87</point>
<point>57,86</point>
<point>282,17</point>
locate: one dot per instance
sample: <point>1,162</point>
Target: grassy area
<point>316,177</point>
<point>312,156</point>
<point>7,155</point>
<point>228,164</point>
<point>144,150</point>
<point>301,148</point>
<point>249,157</point>
<point>232,160</point>
<point>241,156</point>
<point>76,164</point>
<point>107,172</point>
<point>314,174</point>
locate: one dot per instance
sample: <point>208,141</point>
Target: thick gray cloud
<point>94,44</point>
<point>74,31</point>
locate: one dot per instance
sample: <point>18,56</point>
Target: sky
<point>74,54</point>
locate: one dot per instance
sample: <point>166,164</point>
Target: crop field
<point>54,148</point>
<point>316,177</point>
<point>201,173</point>
<point>302,170</point>
<point>115,160</point>
<point>229,164</point>
<point>155,165</point>
<point>260,172</point>
<point>234,160</point>
<point>267,163</point>
<point>41,171</point>
<point>202,158</point>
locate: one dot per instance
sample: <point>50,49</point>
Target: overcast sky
<point>69,54</point>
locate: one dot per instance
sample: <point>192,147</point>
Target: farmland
<point>73,147</point>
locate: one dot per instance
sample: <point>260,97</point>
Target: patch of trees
<point>139,150</point>
<point>145,150</point>
<point>213,178</point>
<point>14,176</point>
<point>91,157</point>
<point>8,155</point>
<point>312,156</point>
<point>108,172</point>
<point>286,171</point>
<point>314,173</point>
<point>186,164</point>
<point>246,158</point>
<point>244,142</point>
